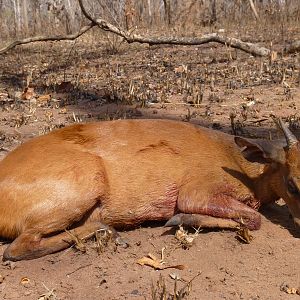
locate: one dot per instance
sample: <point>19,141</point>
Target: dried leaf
<point>153,257</point>
<point>43,99</point>
<point>28,93</point>
<point>289,290</point>
<point>152,261</point>
<point>181,69</point>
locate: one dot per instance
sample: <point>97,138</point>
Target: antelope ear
<point>261,151</point>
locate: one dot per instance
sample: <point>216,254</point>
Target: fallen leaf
<point>181,69</point>
<point>152,261</point>
<point>28,93</point>
<point>289,290</point>
<point>43,99</point>
<point>152,256</point>
<point>292,290</point>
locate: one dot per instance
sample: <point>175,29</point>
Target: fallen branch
<point>213,37</point>
<point>48,38</point>
<point>136,38</point>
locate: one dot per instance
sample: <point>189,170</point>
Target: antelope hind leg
<point>30,245</point>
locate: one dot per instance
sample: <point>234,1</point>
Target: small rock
<point>134,292</point>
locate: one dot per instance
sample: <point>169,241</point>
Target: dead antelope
<point>122,173</point>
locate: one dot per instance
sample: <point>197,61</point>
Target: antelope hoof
<point>183,219</point>
<point>175,221</point>
<point>253,223</point>
<point>7,257</point>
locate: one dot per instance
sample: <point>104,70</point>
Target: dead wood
<point>47,38</point>
<point>130,37</point>
<point>213,37</point>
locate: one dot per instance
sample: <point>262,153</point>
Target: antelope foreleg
<point>219,206</point>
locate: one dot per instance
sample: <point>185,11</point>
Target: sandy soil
<point>152,82</point>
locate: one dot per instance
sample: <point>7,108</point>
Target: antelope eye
<point>292,188</point>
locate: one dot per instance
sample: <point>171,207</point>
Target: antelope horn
<point>289,136</point>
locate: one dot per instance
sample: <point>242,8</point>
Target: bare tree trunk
<point>37,17</point>
<point>17,15</point>
<point>70,16</point>
<point>129,13</point>
<point>150,11</point>
<point>213,12</point>
<point>253,9</point>
<point>24,20</point>
<point>167,6</point>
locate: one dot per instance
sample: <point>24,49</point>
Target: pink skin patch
<point>222,204</point>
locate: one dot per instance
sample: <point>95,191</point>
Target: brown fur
<point>122,173</point>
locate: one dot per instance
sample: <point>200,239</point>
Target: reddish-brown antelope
<point>122,173</point>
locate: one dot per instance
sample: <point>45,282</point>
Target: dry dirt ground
<point>209,85</point>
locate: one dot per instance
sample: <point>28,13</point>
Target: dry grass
<point>102,240</point>
<point>159,290</point>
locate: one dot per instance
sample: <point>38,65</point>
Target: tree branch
<point>213,37</point>
<point>151,40</point>
<point>48,38</point>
